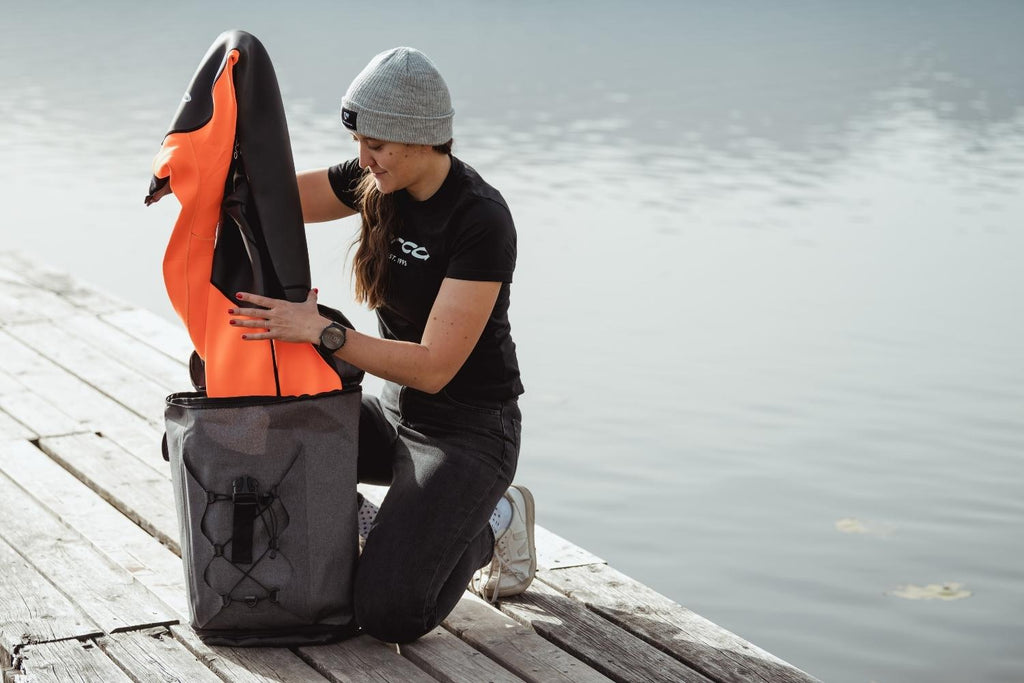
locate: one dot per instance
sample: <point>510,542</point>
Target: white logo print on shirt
<point>411,248</point>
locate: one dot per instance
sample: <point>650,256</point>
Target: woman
<point>435,258</point>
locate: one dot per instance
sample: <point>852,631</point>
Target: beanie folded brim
<point>392,127</point>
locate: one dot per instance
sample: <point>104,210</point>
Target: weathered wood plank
<point>99,523</point>
<point>555,552</point>
<point>516,647</point>
<point>140,439</point>
<point>170,374</point>
<point>10,277</point>
<point>78,293</point>
<point>154,655</point>
<point>22,301</point>
<point>137,491</point>
<point>670,627</point>
<point>165,336</point>
<point>104,591</point>
<point>59,388</point>
<point>9,385</point>
<point>446,658</point>
<point>363,660</point>
<point>32,610</point>
<point>35,412</point>
<point>11,429</point>
<point>612,651</point>
<point>248,665</point>
<point>68,660</point>
<point>131,389</point>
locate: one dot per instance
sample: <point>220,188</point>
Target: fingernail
<point>316,291</point>
<point>231,322</point>
<point>231,311</point>
<point>238,296</point>
<point>244,337</point>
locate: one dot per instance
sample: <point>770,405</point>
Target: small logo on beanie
<point>348,117</point>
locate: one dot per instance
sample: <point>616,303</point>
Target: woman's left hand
<point>279,319</point>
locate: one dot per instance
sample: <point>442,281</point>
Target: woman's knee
<point>396,613</point>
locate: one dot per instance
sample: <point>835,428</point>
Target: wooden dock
<point>91,584</point>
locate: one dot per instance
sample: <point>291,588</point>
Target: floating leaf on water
<point>852,525</point>
<point>933,591</point>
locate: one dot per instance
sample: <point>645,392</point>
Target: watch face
<point>332,337</point>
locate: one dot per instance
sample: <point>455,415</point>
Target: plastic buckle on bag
<point>245,491</point>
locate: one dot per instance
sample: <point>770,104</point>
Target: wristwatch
<point>332,337</point>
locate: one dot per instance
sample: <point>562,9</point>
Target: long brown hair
<point>380,224</point>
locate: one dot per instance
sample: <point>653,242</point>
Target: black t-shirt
<point>463,231</point>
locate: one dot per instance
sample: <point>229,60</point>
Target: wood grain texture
<point>68,661</point>
<point>103,526</point>
<point>612,651</point>
<point>248,665</point>
<point>11,429</point>
<point>363,660</point>
<point>141,440</point>
<point>516,647</point>
<point>670,627</point>
<point>137,491</point>
<point>104,591</point>
<point>60,284</point>
<point>58,387</point>
<point>148,328</point>
<point>22,300</point>
<point>124,349</point>
<point>133,390</point>
<point>154,655</point>
<point>555,552</point>
<point>32,610</point>
<point>35,412</point>
<point>442,655</point>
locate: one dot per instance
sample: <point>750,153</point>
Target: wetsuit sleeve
<point>486,248</point>
<point>344,179</point>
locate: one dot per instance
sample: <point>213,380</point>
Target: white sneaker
<point>515,558</point>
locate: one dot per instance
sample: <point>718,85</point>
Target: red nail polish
<point>238,296</point>
<point>231,322</point>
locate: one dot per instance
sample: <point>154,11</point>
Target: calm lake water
<point>769,284</point>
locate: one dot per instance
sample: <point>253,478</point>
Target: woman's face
<point>394,165</point>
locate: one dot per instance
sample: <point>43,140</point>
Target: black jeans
<point>448,464</point>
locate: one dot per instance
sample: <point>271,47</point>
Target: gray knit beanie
<point>399,97</point>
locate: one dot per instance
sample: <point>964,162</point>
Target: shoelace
<point>481,587</point>
<point>479,582</point>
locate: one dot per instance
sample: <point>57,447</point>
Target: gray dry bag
<point>265,489</point>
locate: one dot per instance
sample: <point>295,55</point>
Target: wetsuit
<point>228,159</point>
